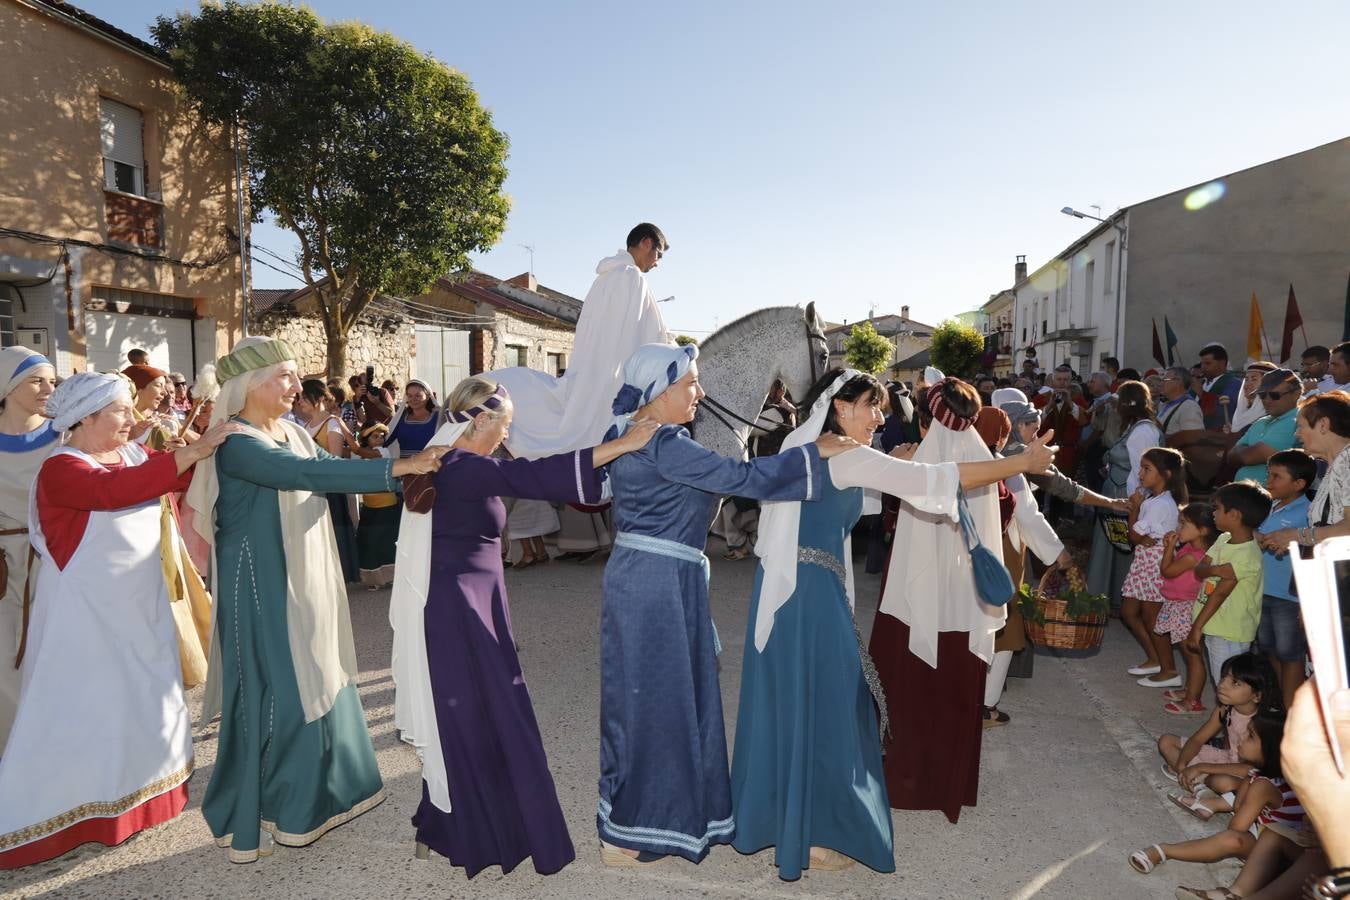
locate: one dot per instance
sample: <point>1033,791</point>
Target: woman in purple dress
<point>487,795</point>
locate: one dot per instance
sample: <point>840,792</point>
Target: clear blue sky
<point>855,153</point>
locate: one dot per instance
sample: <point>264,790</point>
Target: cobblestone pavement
<point>1068,789</point>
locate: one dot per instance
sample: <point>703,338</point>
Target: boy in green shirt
<point>1229,610</point>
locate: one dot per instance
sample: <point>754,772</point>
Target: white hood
<point>617,261</point>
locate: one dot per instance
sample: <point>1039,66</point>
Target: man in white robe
<point>558,415</point>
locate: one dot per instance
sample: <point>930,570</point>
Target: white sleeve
<point>931,488</point>
<point>1035,529</point>
<point>1140,440</point>
<point>1156,517</point>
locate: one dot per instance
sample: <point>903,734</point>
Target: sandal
<point>736,553</point>
<point>994,717</point>
<point>1142,861</point>
<point>1190,893</point>
<point>525,562</point>
<point>823,859</point>
<point>1169,772</point>
<point>1185,708</point>
<point>615,857</point>
<point>1191,804</point>
<point>1174,694</point>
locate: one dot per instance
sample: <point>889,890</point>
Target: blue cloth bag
<point>992,581</point>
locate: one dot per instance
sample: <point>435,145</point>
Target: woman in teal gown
<point>806,773</point>
<point>294,759</point>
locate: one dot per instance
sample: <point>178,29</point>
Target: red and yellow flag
<point>1256,332</point>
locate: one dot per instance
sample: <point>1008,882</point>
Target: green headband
<point>254,356</point>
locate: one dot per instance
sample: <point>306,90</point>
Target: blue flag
<point>1171,342</point>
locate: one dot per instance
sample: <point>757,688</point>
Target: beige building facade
<point>119,220</point>
<point>1193,258</point>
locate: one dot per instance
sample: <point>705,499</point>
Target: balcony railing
<point>134,220</point>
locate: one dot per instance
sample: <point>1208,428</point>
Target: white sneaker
<point>1144,670</point>
<point>1169,683</point>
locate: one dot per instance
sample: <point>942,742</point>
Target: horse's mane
<point>748,319</point>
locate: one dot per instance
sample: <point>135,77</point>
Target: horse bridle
<point>721,412</point>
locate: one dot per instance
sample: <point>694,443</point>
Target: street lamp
<point>1120,271</point>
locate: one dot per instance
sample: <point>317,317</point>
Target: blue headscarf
<point>648,372</point>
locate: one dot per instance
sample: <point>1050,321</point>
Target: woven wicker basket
<point>1059,631</point>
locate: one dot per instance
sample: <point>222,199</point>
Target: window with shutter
<point>6,316</point>
<point>120,128</point>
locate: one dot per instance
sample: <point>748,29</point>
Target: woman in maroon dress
<point>487,794</point>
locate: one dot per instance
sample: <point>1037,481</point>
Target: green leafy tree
<point>867,350</point>
<point>684,340</point>
<point>379,158</point>
<point>956,349</point>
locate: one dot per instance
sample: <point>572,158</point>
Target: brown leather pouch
<point>419,492</point>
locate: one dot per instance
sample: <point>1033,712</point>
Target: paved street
<point>1067,790</point>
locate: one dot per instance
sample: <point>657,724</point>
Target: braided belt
<point>814,556</point>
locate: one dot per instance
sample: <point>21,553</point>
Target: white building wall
<point>1075,291</point>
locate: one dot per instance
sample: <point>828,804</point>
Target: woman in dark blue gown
<point>664,784</point>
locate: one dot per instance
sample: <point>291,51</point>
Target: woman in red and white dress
<point>102,743</point>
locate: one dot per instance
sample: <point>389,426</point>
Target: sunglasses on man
<point>1275,395</point>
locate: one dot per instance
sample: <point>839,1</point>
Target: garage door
<point>442,359</point>
<point>108,337</point>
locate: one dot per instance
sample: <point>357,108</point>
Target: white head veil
<point>83,394</point>
<point>930,585</point>
<point>414,707</point>
<point>17,364</point>
<point>780,521</point>
<point>646,374</point>
<point>401,411</point>
<point>1006,395</point>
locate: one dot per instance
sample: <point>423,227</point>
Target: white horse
<point>738,363</point>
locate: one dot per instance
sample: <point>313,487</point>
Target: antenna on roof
<point>530,249</point>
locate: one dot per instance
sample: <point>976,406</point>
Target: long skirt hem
<point>664,841</point>
<point>934,760</point>
<point>107,830</point>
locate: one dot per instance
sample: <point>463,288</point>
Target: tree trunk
<point>337,355</point>
<point>335,328</point>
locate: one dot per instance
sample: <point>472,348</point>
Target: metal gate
<point>442,359</point>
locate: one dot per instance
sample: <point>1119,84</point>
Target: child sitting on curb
<point>1262,798</point>
<point>1210,757</point>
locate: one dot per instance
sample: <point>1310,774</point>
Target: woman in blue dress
<point>413,425</point>
<point>664,783</point>
<point>807,776</point>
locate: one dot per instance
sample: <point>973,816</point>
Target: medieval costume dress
<point>807,767</point>
<point>933,638</point>
<point>664,783</point>
<point>487,794</point>
<point>21,455</point>
<point>294,758</point>
<point>102,745</point>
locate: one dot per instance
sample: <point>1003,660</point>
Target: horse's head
<point>804,361</point>
<point>738,363</point>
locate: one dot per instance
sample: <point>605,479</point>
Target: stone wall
<point>538,338</point>
<point>386,343</point>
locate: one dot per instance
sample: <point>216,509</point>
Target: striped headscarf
<point>942,412</point>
